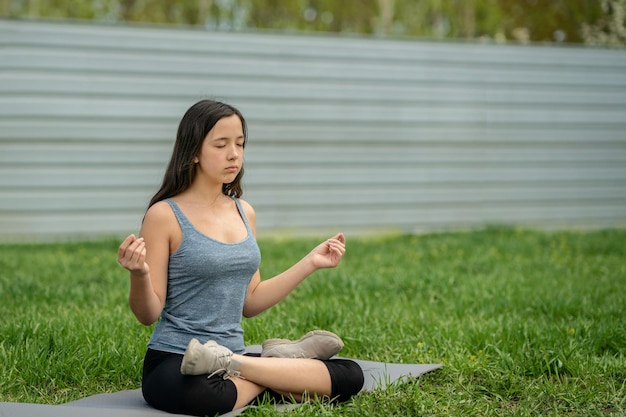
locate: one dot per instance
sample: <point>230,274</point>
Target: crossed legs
<point>283,375</point>
<point>166,388</point>
<point>299,370</point>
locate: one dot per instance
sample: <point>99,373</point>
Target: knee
<point>347,379</point>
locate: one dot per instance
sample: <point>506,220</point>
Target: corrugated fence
<point>353,134</point>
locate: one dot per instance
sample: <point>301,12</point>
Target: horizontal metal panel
<point>415,218</point>
<point>163,130</point>
<point>95,224</point>
<point>410,219</point>
<point>433,156</point>
<point>131,176</point>
<point>48,107</point>
<point>113,154</point>
<point>261,43</point>
<point>358,133</point>
<point>46,201</point>
<point>83,86</point>
<point>78,129</point>
<point>60,177</point>
<point>352,198</point>
<point>99,62</point>
<point>84,154</point>
<point>421,175</point>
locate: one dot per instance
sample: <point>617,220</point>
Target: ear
<point>196,160</point>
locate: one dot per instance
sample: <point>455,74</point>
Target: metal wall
<point>353,134</point>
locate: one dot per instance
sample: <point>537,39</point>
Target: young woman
<point>195,267</point>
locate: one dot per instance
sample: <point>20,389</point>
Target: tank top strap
<point>183,221</point>
<point>185,224</point>
<point>243,215</point>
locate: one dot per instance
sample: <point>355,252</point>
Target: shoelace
<point>227,373</point>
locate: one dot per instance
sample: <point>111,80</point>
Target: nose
<point>234,153</point>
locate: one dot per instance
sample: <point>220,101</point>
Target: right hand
<point>132,255</point>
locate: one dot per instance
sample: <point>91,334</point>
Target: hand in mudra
<point>132,255</point>
<point>328,254</point>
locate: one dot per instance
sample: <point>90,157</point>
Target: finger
<point>129,255</point>
<point>122,255</point>
<point>336,244</point>
<point>337,248</point>
<point>139,259</point>
<point>132,248</point>
<point>125,244</point>
<point>138,251</point>
<point>340,237</point>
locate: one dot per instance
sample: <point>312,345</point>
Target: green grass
<point>526,323</point>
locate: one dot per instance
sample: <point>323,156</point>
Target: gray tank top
<point>207,282</point>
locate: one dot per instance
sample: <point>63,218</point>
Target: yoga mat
<point>130,403</point>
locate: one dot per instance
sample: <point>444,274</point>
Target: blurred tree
<point>518,20</point>
<point>610,28</point>
<point>547,21</point>
<point>386,16</point>
<point>276,14</point>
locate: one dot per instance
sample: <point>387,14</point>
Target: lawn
<point>525,322</point>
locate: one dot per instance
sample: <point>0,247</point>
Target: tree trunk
<point>386,10</point>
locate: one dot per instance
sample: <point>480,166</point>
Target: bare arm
<point>146,259</point>
<point>264,294</point>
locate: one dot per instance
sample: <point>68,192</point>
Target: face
<point>221,154</point>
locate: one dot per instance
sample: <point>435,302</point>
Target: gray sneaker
<point>318,344</point>
<point>209,358</point>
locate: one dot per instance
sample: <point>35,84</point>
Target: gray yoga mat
<point>130,403</point>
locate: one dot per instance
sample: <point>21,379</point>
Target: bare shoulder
<point>160,228</point>
<point>160,217</point>
<point>247,209</point>
<point>160,211</point>
<point>250,214</point>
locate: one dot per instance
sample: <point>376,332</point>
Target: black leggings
<point>165,388</point>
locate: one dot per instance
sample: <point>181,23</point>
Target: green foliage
<point>526,323</point>
<point>610,28</point>
<point>526,20</point>
<point>68,331</point>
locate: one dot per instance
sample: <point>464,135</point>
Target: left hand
<point>328,254</point>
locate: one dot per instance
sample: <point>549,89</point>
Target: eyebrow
<point>226,138</point>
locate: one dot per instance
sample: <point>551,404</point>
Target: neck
<point>204,194</point>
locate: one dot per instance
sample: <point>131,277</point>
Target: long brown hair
<point>193,128</point>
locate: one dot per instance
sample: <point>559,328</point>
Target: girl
<point>195,267</point>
